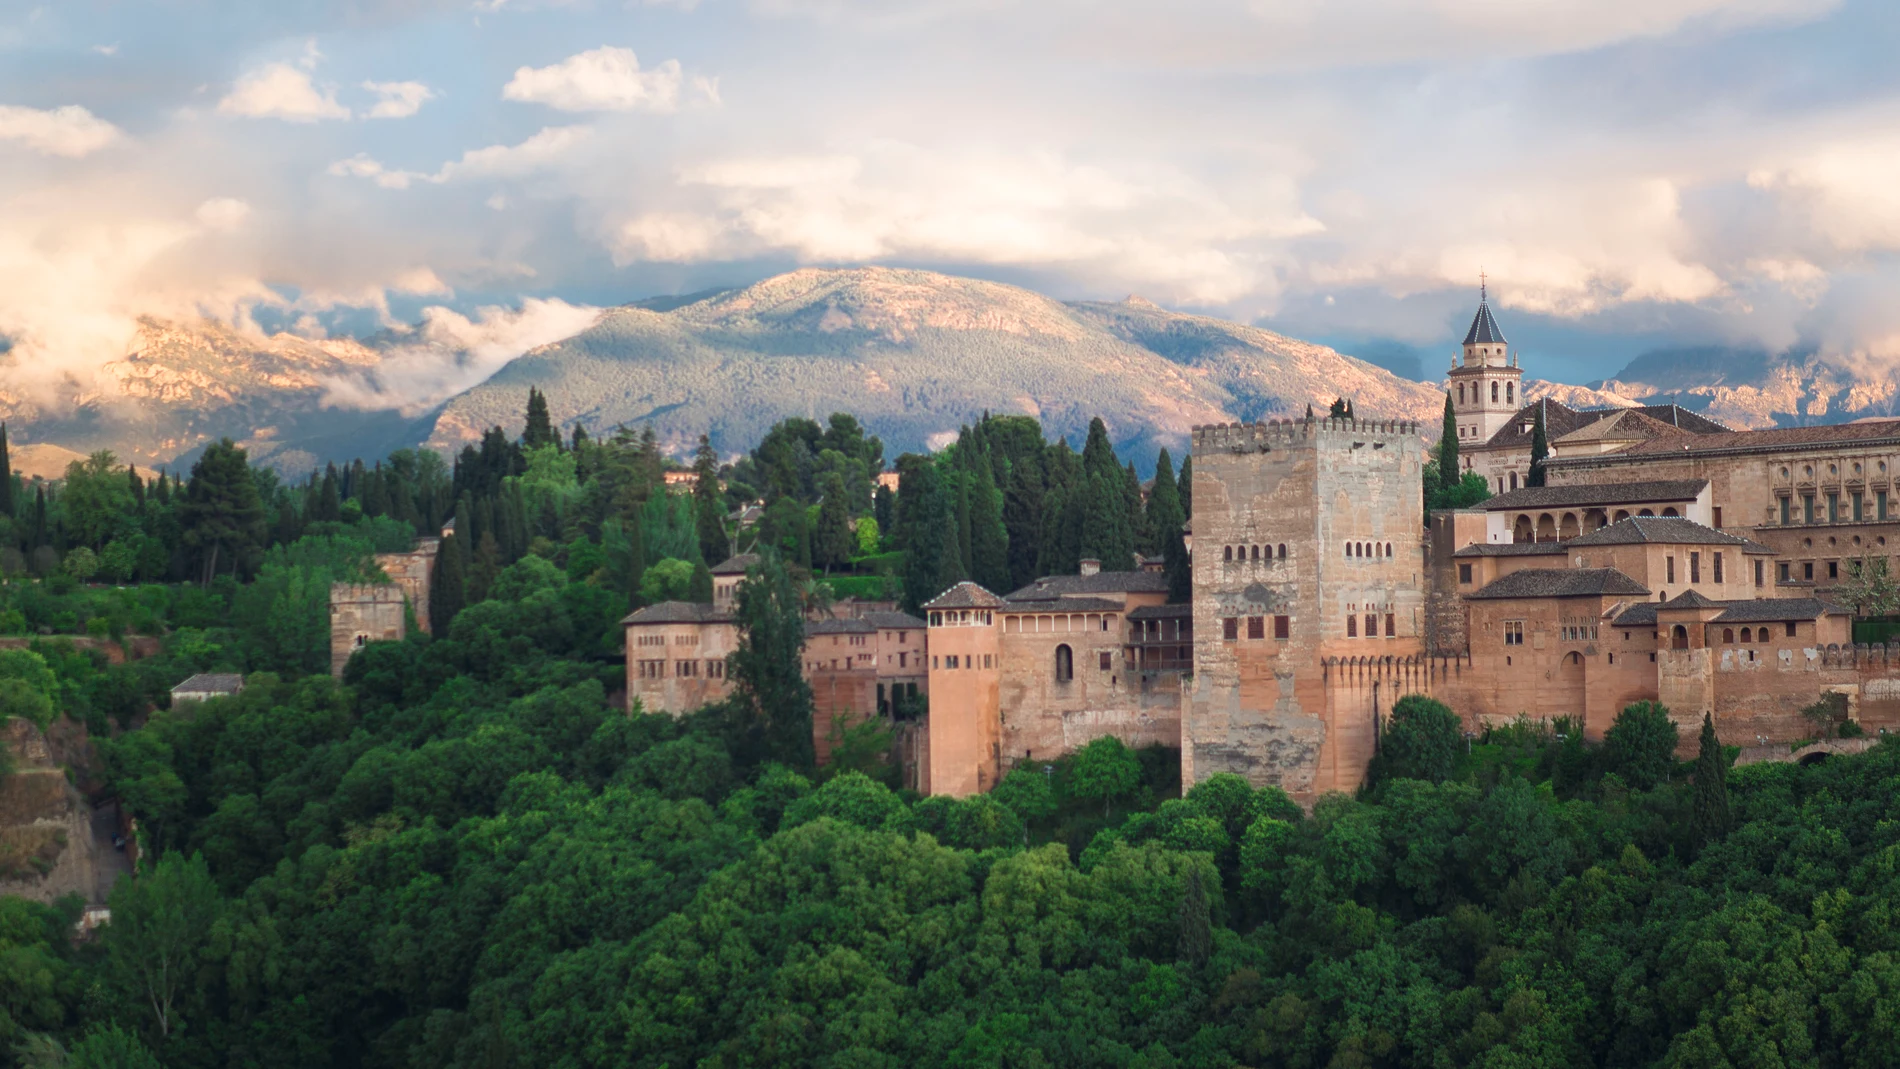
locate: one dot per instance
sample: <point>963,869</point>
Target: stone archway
<point>1568,528</point>
<point>1522,531</point>
<point>1678,637</point>
<point>1546,528</point>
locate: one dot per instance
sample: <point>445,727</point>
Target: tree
<point>1869,587</point>
<point>1712,818</point>
<point>770,698</point>
<point>1422,740</point>
<point>831,537</point>
<point>1184,485</point>
<point>1448,473</point>
<point>222,513</point>
<point>884,507</point>
<point>1196,942</point>
<point>1641,744</point>
<point>1540,449</point>
<point>699,588</point>
<point>989,539</point>
<point>161,924</point>
<point>98,501</point>
<point>6,475</point>
<point>539,428</point>
<point>668,580</point>
<point>110,1047</point>
<point>709,509</point>
<point>448,589</point>
<point>1166,520</point>
<point>1104,769</point>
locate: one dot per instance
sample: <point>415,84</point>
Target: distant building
<point>207,685</point>
<point>362,613</point>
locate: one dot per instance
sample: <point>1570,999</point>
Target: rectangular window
<point>1669,569</point>
<point>1282,627</point>
<point>950,661</point>
<point>1718,516</point>
<point>1807,508</point>
<point>1695,567</point>
<point>1106,662</point>
<point>1352,626</point>
<point>1807,570</point>
<point>1784,512</point>
<point>1791,629</point>
<point>1372,626</point>
<point>1718,567</point>
<point>1513,632</point>
<point>933,663</point>
<point>1781,572</point>
<point>1256,627</point>
<point>1880,504</point>
<point>1464,573</point>
<point>1390,630</point>
<point>1758,573</point>
<point>1833,569</point>
<point>1230,628</point>
<point>1833,508</point>
<point>715,669</point>
<point>1856,500</point>
<point>987,664</point>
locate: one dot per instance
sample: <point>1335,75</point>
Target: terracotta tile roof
<point>1757,610</point>
<point>1560,420</point>
<point>1561,583</point>
<point>1075,604</point>
<point>736,565</point>
<point>893,621</point>
<point>1778,438</point>
<point>678,612</point>
<point>1053,586</point>
<point>1690,599</point>
<point>965,595</point>
<point>1583,494</point>
<point>1665,530</point>
<point>1511,549</point>
<point>1626,425</point>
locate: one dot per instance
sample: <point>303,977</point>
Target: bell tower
<point>1486,387</point>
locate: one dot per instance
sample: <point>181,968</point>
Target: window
<point>1728,635</point>
<point>1758,573</point>
<point>1807,570</point>
<point>1230,628</point>
<point>1718,516</point>
<point>1669,569</point>
<point>1791,629</point>
<point>1494,391</point>
<point>1513,632</point>
<point>1256,627</point>
<point>1372,625</point>
<point>1514,480</point>
<point>1282,627</point>
<point>715,669</point>
<point>1065,664</point>
<point>1784,512</point>
<point>1283,551</point>
<point>1718,567</point>
<point>1107,661</point>
<point>1807,508</point>
<point>1229,555</point>
<point>1256,553</point>
<point>1833,508</point>
<point>1855,498</point>
<point>1695,567</point>
<point>1880,504</point>
<point>652,669</point>
<point>1352,626</point>
<point>1748,635</point>
<point>1833,569</point>
<point>1781,571</point>
<point>1510,390</point>
<point>1464,573</point>
<point>1390,630</point>
<point>950,661</point>
<point>987,661</point>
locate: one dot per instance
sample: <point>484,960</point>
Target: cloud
<point>398,100</point>
<point>453,352</point>
<point>605,79</point>
<point>69,131</point>
<point>223,213</point>
<point>281,91</point>
<point>496,161</point>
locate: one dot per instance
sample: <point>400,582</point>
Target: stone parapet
<point>1254,437</point>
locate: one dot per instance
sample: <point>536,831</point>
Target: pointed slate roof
<point>1689,599</point>
<point>1484,330</point>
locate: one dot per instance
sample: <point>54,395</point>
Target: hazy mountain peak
<point>893,302</point>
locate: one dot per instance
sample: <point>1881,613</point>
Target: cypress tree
<point>950,569</point>
<point>963,522</point>
<point>1104,523</point>
<point>709,512</point>
<point>1184,487</point>
<point>483,568</point>
<point>137,485</point>
<point>831,542</point>
<point>447,586</point>
<point>1339,409</point>
<point>884,508</point>
<point>1712,816</point>
<point>1140,535</point>
<point>771,701</point>
<point>1165,520</point>
<point>222,511</point>
<point>1540,448</point>
<point>1023,505</point>
<point>699,589</point>
<point>329,497</point>
<point>539,429</point>
<point>6,474</point>
<point>989,539</point>
<point>1448,473</point>
<point>1098,454</point>
<point>924,559</point>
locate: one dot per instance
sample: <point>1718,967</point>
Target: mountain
<point>182,387</point>
<point>1747,388</point>
<point>914,355</point>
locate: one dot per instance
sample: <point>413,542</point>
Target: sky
<point>1628,174</point>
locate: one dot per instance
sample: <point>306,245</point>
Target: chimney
<point>1090,566</point>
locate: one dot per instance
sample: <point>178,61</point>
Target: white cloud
<point>605,79</point>
<point>398,100</point>
<point>223,213</point>
<point>496,161</point>
<point>281,91</point>
<point>454,352</point>
<point>69,131</point>
<point>106,50</point>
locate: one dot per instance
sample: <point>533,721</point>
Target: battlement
<point>1259,437</point>
<point>365,594</point>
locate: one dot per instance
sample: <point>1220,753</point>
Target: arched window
<point>1679,637</point>
<point>1229,554</point>
<point>1514,480</point>
<point>1728,635</point>
<point>1256,553</point>
<point>1349,549</point>
<point>1494,391</point>
<point>1283,551</point>
<point>1671,511</point>
<point>1388,549</point>
<point>1748,635</point>
<point>1509,390</point>
<point>1065,664</point>
<point>1645,512</point>
<point>1461,393</point>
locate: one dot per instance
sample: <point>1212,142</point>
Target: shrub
<point>1641,745</point>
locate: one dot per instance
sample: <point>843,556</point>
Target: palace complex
<point>1665,557</point>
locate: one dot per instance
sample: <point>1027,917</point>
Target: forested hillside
<point>465,853</point>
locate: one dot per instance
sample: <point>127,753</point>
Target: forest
<point>464,853</point>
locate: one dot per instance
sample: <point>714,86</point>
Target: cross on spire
<point>1481,284</point>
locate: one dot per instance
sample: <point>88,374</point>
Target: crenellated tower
<point>1487,387</point>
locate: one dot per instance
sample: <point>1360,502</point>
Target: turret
<point>1486,388</point>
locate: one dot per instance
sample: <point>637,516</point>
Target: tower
<point>1485,388</point>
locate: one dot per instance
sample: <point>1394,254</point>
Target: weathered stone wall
<point>411,572</point>
<point>1344,497</point>
<point>361,613</point>
<point>965,708</point>
<point>1044,718</point>
<point>1451,530</point>
<point>655,653</point>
